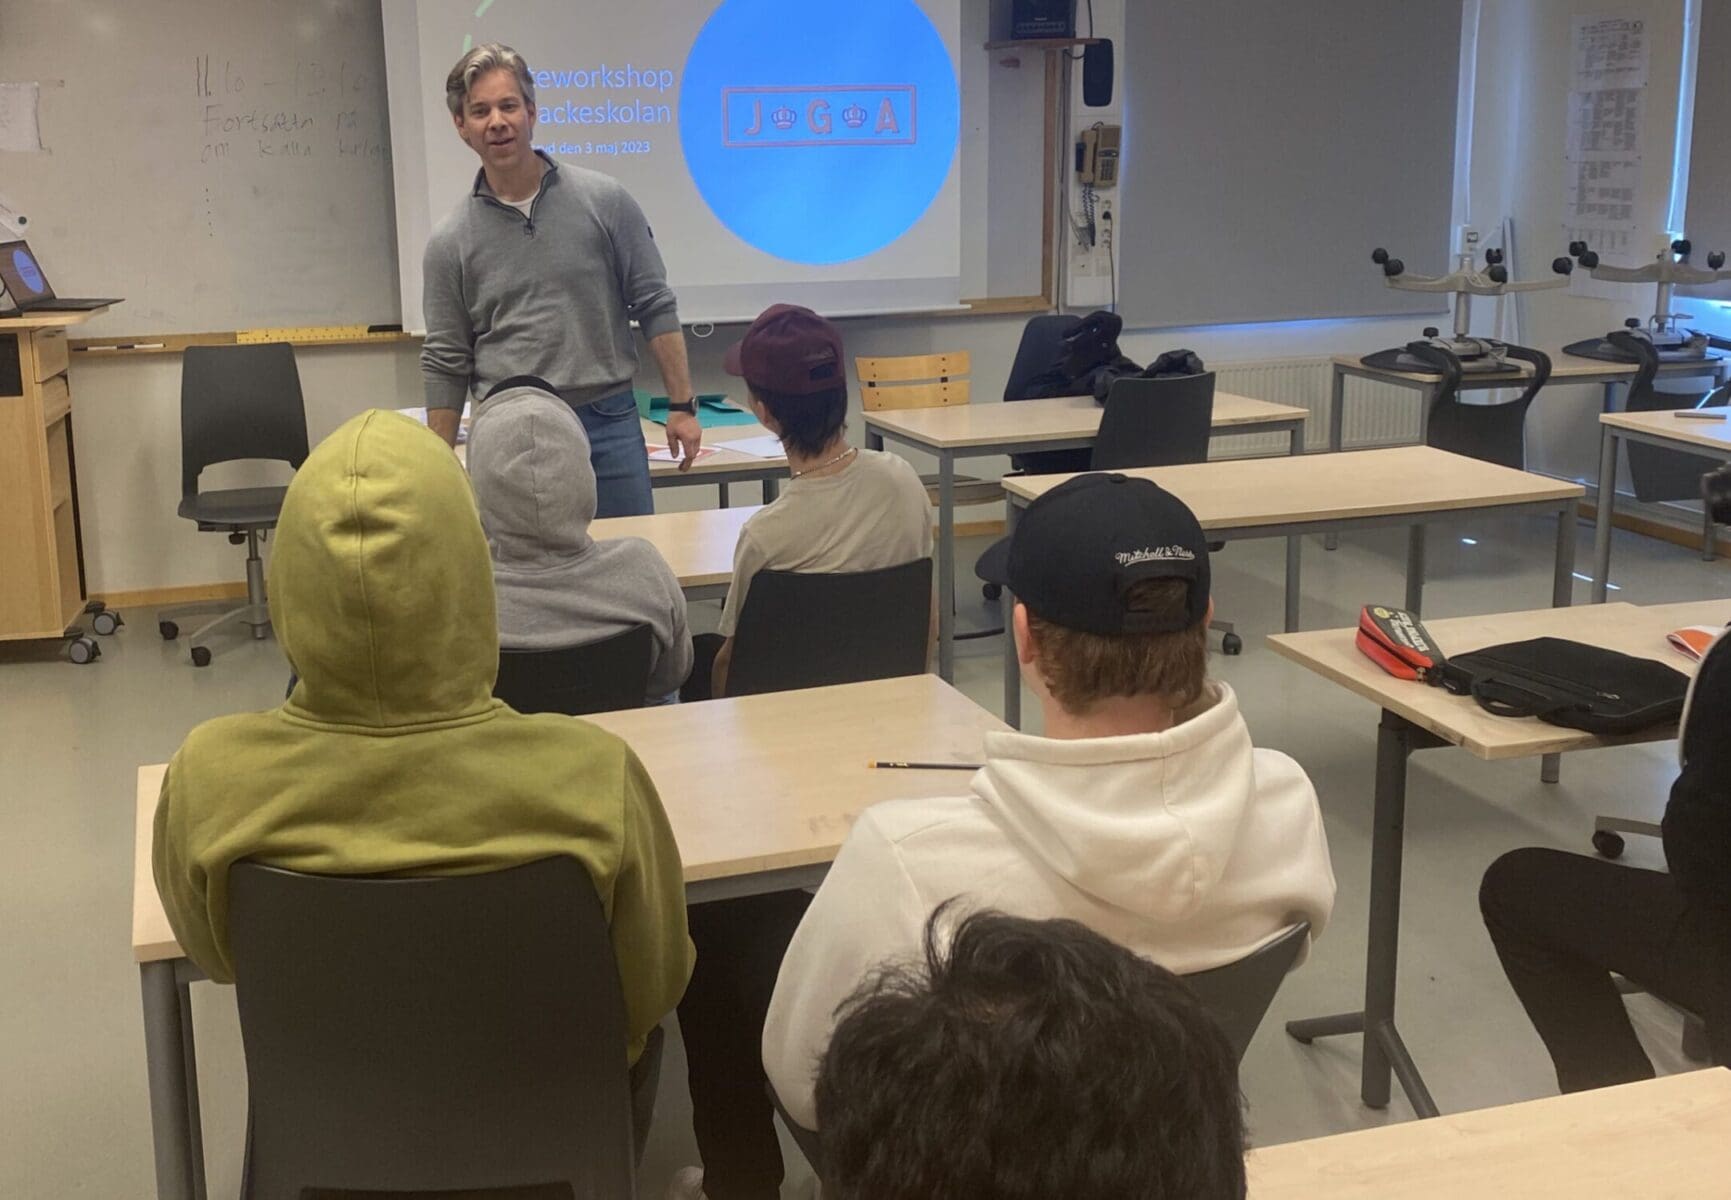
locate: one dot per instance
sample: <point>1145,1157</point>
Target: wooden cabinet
<point>42,587</point>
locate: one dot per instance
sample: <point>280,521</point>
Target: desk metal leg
<point>1415,568</point>
<point>725,499</point>
<point>1012,669</point>
<point>1607,503</point>
<point>1709,535</point>
<point>1294,555</point>
<point>176,1129</point>
<point>874,440</point>
<point>946,567</point>
<point>1384,1051</point>
<point>771,489</point>
<point>1336,424</point>
<point>1562,596</point>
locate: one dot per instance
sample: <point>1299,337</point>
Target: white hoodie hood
<point>1190,847</point>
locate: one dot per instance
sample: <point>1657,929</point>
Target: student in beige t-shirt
<point>844,509</point>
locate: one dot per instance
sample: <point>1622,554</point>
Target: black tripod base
<point>1384,1052</point>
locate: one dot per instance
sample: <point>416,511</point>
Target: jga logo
<point>836,116</point>
<point>819,132</point>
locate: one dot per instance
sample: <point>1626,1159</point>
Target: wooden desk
<point>42,585</point>
<point>721,468</point>
<point>1418,717</point>
<point>1024,427</point>
<point>753,809</point>
<point>1327,493</point>
<point>1662,1139</point>
<point>1712,438</point>
<point>698,545</point>
<point>1565,368</point>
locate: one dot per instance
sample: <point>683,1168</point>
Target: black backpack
<point>1569,684</point>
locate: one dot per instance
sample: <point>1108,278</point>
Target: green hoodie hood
<point>381,591</point>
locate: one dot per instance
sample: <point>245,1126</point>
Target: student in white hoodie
<point>1144,812</point>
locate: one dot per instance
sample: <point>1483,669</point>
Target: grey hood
<point>529,461</point>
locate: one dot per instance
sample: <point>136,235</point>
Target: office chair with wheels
<point>410,1035</point>
<point>236,402</point>
<point>813,630</point>
<point>602,676</point>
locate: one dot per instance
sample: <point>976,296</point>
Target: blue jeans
<point>617,454</point>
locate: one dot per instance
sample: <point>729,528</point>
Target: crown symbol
<point>854,116</point>
<point>783,117</point>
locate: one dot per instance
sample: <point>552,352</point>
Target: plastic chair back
<point>407,1035</point>
<point>602,676</point>
<point>1656,472</point>
<point>1238,994</point>
<point>239,402</point>
<point>1155,422</point>
<point>813,630</point>
<point>1042,344</point>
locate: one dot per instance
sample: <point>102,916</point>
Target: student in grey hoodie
<point>556,586</point>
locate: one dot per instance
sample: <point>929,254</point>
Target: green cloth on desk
<point>391,756</point>
<point>712,411</point>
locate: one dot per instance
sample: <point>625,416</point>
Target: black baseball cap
<point>1078,549</point>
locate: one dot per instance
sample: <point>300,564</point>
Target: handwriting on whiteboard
<point>305,110</point>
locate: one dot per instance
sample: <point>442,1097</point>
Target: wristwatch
<point>688,407</point>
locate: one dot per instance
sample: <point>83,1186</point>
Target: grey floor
<point>73,1116</point>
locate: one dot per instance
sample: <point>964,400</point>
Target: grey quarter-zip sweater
<point>550,294</point>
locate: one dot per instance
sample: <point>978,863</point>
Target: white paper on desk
<point>660,453</point>
<point>420,414</point>
<point>763,446</point>
<point>19,128</point>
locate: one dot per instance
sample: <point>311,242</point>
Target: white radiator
<point>1376,414</point>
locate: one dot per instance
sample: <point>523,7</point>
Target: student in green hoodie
<point>391,755</point>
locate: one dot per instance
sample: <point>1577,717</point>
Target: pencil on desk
<point>922,766</point>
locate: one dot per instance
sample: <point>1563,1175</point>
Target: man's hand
<point>443,421</point>
<point>684,437</point>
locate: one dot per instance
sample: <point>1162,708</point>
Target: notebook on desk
<point>24,287</point>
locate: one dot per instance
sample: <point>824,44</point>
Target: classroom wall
<point>127,410</point>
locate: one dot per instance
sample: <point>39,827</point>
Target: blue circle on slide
<point>28,271</point>
<point>819,131</point>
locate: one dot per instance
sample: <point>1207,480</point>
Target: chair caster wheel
<point>992,591</point>
<point>82,650</point>
<point>168,629</point>
<point>1609,844</point>
<point>1231,643</point>
<point>106,622</point>
<point>201,656</point>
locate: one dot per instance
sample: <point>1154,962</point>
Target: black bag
<point>1569,684</point>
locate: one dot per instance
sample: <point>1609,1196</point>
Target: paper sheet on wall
<point>20,130</point>
<point>1610,52</point>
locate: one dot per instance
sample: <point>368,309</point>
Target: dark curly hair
<point>1034,1059</point>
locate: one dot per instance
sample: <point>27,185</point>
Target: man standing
<point>540,271</point>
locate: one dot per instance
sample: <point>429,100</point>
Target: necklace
<point>820,466</point>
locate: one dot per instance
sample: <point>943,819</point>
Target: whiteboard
<point>221,165</point>
<point>226,164</point>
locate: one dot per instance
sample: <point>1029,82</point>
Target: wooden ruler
<point>304,335</point>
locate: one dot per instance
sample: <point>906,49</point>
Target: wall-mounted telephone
<point>1097,155</point>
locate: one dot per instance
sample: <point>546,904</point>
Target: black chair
<point>813,630</point>
<point>1238,994</point>
<point>602,676</point>
<point>236,402</point>
<point>410,1035</point>
<point>1493,433</point>
<point>1159,422</point>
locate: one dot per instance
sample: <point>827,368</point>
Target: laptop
<point>25,288</point>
